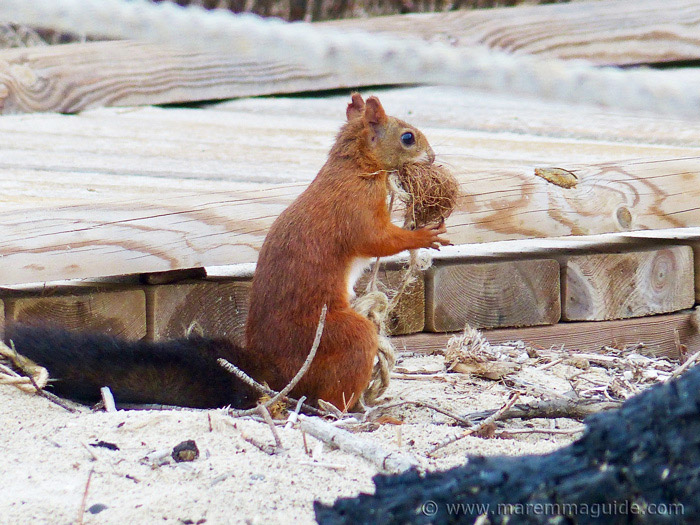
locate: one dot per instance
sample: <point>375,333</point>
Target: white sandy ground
<point>46,457</point>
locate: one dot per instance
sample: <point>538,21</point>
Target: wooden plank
<point>623,285</point>
<point>517,293</point>
<point>96,205</point>
<point>74,77</point>
<point>504,114</point>
<point>656,334</point>
<point>622,32</point>
<point>408,317</point>
<point>216,309</point>
<point>114,311</point>
<point>696,258</point>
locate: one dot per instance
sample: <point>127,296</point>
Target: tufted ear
<point>374,112</point>
<point>356,107</point>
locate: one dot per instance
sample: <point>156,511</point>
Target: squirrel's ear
<point>374,112</point>
<point>356,107</point>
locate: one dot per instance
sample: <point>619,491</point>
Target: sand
<point>47,455</point>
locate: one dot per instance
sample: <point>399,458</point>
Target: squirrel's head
<point>391,141</point>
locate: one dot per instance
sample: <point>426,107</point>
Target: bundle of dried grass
<point>430,193</point>
<point>471,353</point>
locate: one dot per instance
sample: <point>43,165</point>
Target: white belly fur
<point>357,268</point>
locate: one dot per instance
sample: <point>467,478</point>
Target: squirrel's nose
<point>431,156</point>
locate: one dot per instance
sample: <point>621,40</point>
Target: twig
<point>485,423</point>
<point>108,399</point>
<point>562,431</point>
<point>331,466</point>
<point>81,513</point>
<point>685,366</point>
<point>40,391</point>
<point>295,415</point>
<point>551,408</point>
<point>276,396</point>
<point>267,449</point>
<point>265,413</point>
<point>388,462</point>
<point>461,420</point>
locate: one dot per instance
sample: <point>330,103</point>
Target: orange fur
<point>307,255</point>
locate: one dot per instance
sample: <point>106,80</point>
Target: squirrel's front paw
<point>432,237</point>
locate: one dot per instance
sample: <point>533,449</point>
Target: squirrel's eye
<point>408,139</point>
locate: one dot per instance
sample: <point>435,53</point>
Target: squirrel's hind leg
<point>343,364</point>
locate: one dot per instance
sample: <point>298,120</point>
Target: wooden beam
<point>516,293</point>
<point>623,32</point>
<point>655,335</point>
<point>111,310</point>
<point>604,134</point>
<point>621,285</point>
<point>95,207</point>
<point>73,77</point>
<point>211,308</point>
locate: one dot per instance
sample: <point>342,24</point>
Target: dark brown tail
<point>182,372</point>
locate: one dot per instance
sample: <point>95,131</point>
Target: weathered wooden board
<point>621,285</point>
<point>658,335</point>
<point>113,192</point>
<point>212,308</point>
<point>696,258</point>
<point>118,312</point>
<point>74,77</point>
<point>622,32</point>
<point>511,116</point>
<point>491,295</point>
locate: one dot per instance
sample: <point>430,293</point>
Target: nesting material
<point>430,193</point>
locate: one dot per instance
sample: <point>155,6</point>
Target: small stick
<point>461,420</point>
<point>688,363</point>
<point>295,415</point>
<point>304,368</point>
<point>267,449</point>
<point>486,422</point>
<point>552,408</point>
<point>331,466</point>
<point>306,446</point>
<point>265,413</point>
<point>388,462</point>
<point>108,399</point>
<point>550,364</point>
<point>81,513</point>
<point>562,431</point>
<point>40,391</point>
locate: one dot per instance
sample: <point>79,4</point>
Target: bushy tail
<point>181,372</point>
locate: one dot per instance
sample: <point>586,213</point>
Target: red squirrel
<point>311,257</point>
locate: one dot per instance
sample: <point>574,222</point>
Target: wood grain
<point>622,32</point>
<point>73,77</point>
<point>211,308</point>
<point>408,317</point>
<point>115,192</point>
<point>618,286</point>
<point>516,293</point>
<point>696,259</point>
<point>117,312</point>
<point>655,335</point>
